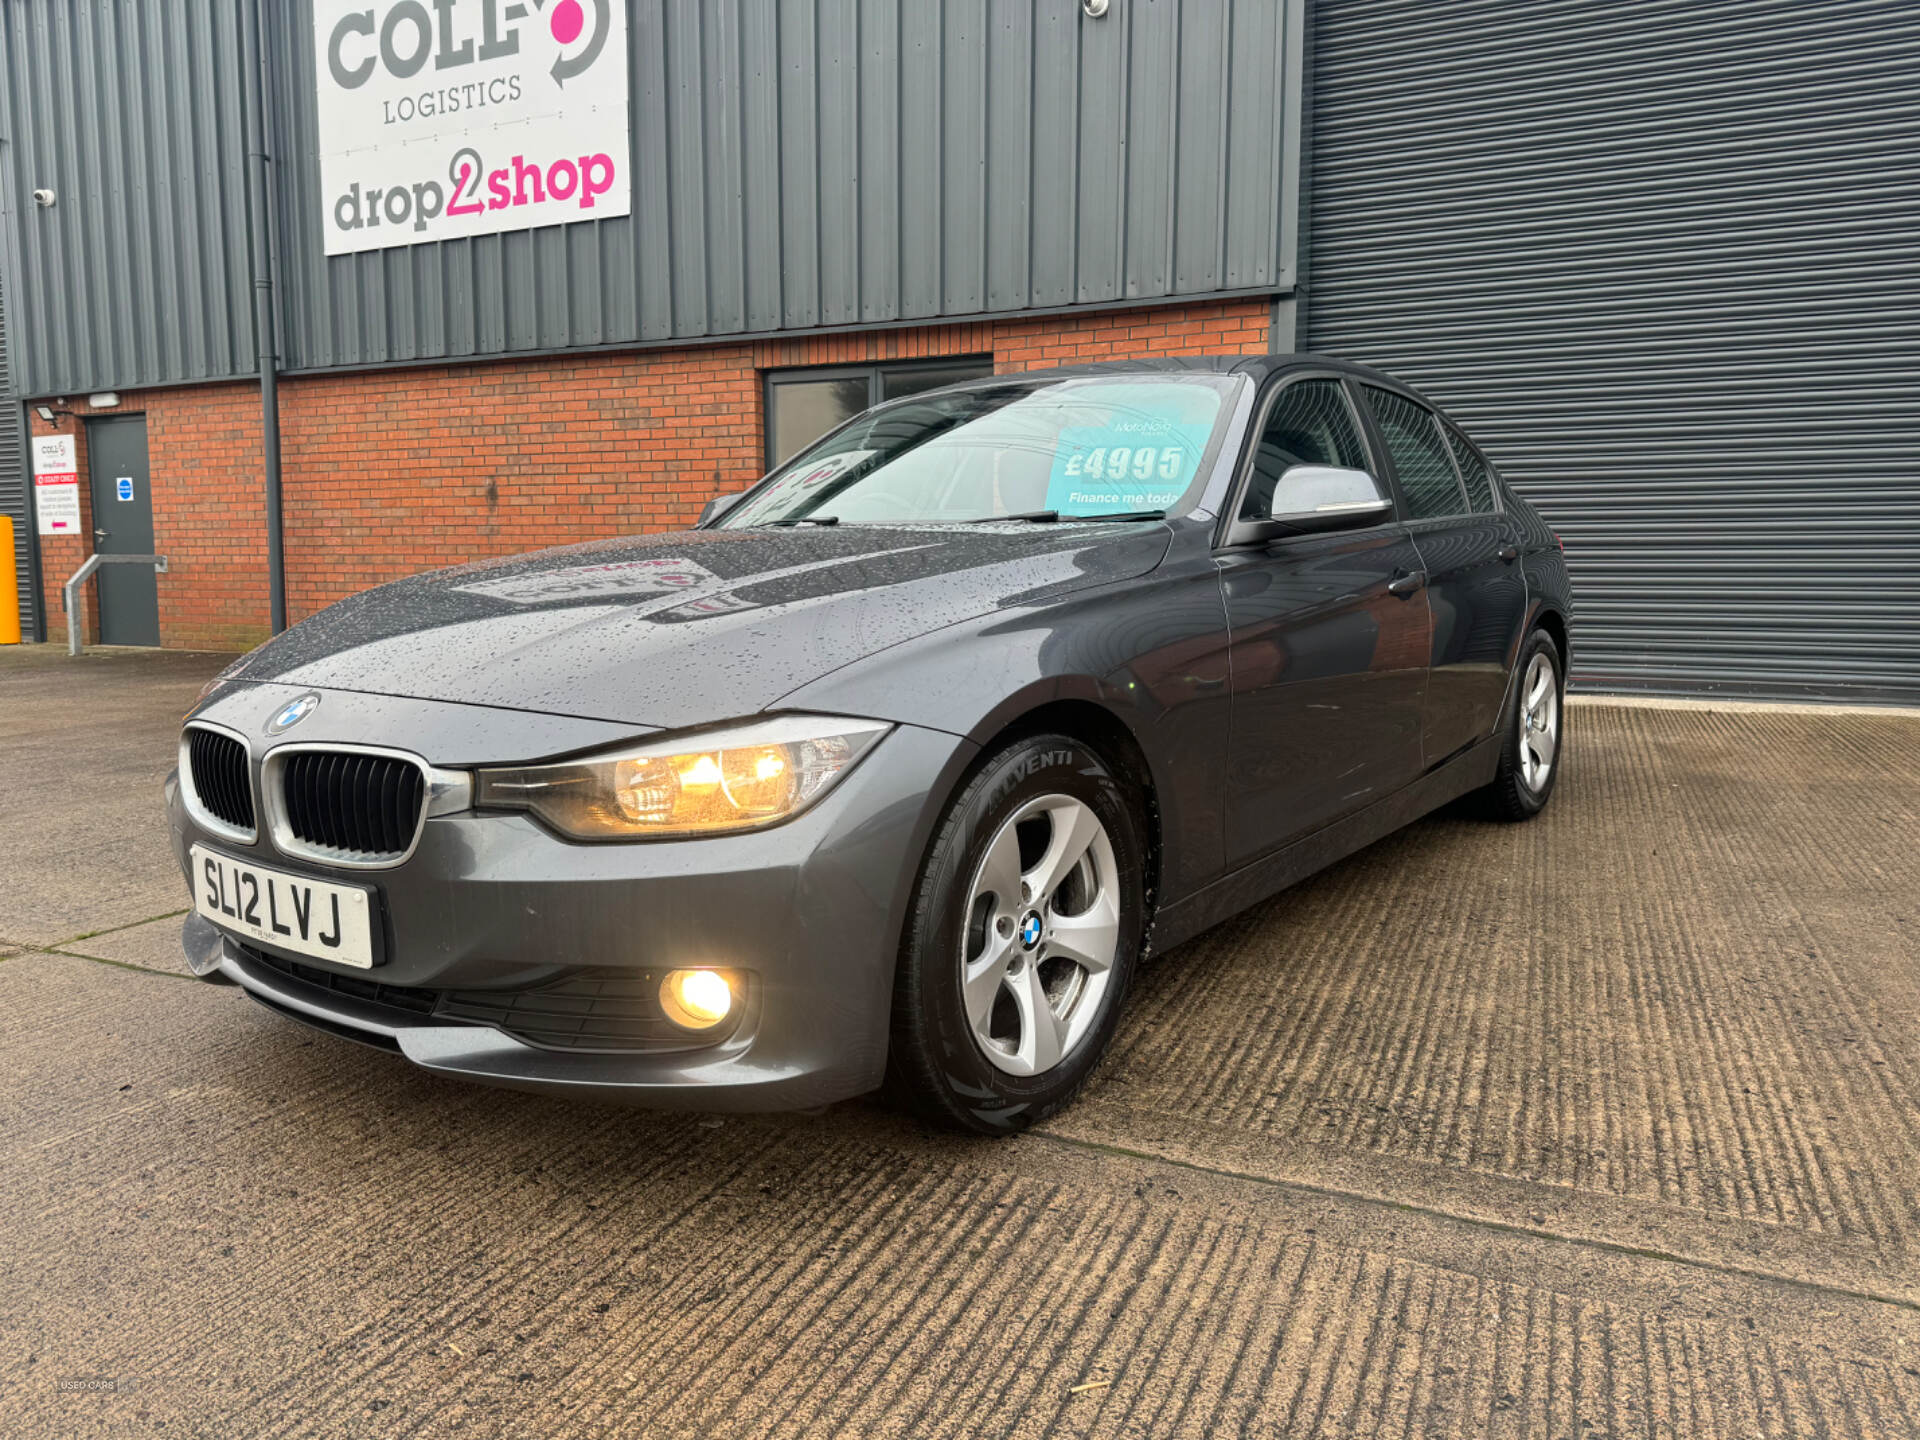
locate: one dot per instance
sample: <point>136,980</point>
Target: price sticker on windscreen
<point>1141,455</point>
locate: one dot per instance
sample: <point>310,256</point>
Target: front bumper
<point>812,910</point>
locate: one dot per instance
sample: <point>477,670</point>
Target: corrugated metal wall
<point>814,163</point>
<point>799,164</point>
<point>1660,257</point>
<point>129,111</point>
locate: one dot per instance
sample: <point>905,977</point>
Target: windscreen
<point>1083,448</point>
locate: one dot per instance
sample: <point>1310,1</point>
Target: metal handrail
<point>71,594</point>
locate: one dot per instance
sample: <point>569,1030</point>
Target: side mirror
<point>1309,499</point>
<point>716,507</point>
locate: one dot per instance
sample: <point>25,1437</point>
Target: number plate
<point>287,912</point>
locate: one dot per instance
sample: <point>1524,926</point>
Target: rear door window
<point>1420,458</point>
<point>1473,471</point>
<point>1310,424</point>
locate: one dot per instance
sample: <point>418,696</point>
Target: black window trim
<point>1466,511</point>
<point>1452,426</point>
<point>869,370</point>
<point>1250,445</point>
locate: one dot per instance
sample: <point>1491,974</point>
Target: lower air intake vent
<point>588,1010</point>
<point>602,1011</point>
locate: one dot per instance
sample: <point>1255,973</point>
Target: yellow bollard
<point>9,591</point>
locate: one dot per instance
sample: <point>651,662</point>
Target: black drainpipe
<point>259,94</point>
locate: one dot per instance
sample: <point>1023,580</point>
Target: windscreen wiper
<point>808,520</point>
<point>1049,517</point>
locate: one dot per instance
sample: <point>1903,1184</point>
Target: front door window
<point>1310,424</point>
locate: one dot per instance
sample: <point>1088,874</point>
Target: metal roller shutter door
<point>1663,260</point>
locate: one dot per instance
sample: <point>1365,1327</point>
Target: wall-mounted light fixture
<point>50,414</point>
<point>105,400</point>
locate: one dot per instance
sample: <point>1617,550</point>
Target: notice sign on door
<point>56,485</point>
<point>467,117</point>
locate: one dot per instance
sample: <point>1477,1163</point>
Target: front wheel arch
<point>1108,734</point>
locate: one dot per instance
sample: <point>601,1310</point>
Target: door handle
<point>102,534</point>
<point>1509,553</point>
<point>1406,584</point>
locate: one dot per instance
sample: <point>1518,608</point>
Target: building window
<point>803,405</point>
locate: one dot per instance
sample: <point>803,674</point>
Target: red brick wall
<point>203,457</point>
<point>390,472</point>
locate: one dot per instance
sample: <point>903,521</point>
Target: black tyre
<point>1534,733</point>
<point>1027,921</point>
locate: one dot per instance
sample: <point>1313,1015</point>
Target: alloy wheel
<point>1539,722</point>
<point>1041,935</point>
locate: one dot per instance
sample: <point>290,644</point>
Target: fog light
<point>696,999</point>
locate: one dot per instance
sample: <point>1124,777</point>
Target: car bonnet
<point>689,627</point>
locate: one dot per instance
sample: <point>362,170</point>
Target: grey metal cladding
<point>798,164</point>
<point>815,163</point>
<point>1659,259</point>
<point>130,113</point>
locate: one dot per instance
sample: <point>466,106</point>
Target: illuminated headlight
<point>739,778</point>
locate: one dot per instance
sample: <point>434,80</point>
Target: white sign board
<point>56,485</point>
<point>468,117</point>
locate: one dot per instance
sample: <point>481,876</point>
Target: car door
<point>1475,591</point>
<point>1327,641</point>
<point>1500,591</point>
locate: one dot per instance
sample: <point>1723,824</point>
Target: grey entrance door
<point>123,525</point>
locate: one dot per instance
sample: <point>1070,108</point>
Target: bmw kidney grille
<point>219,774</point>
<point>356,806</point>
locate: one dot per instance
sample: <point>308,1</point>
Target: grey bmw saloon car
<point>897,766</point>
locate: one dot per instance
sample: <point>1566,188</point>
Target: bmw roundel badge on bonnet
<point>292,713</point>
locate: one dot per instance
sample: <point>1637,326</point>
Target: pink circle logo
<point>567,21</point>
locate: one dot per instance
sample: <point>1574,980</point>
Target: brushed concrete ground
<point>1604,1125</point>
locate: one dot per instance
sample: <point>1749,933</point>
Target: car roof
<point>1259,367</point>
